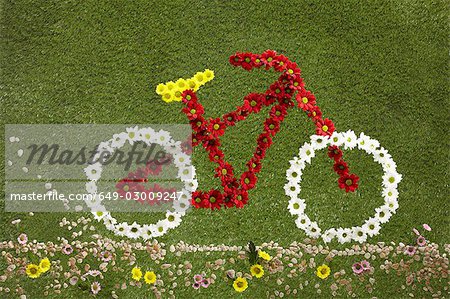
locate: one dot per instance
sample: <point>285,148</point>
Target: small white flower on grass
<point>160,228</point>
<point>162,137</point>
<point>390,193</point>
<point>392,204</point>
<point>134,231</point>
<point>336,139</point>
<point>292,189</point>
<point>296,206</point>
<point>122,229</point>
<point>146,232</point>
<point>350,140</point>
<point>303,222</point>
<point>319,142</point>
<point>359,235</point>
<point>329,235</point>
<point>344,235</point>
<point>294,173</point>
<point>372,227</point>
<point>391,179</point>
<point>306,153</point>
<point>146,135</point>
<point>181,159</point>
<point>186,173</point>
<point>132,134</point>
<point>173,219</point>
<point>381,156</point>
<point>93,171</point>
<point>383,214</point>
<point>313,230</point>
<point>363,141</point>
<point>118,140</point>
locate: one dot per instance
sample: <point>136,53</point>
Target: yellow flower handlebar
<point>171,91</point>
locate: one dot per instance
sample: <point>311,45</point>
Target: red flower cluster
<point>207,132</point>
<point>346,181</point>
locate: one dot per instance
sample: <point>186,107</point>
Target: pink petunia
<point>427,227</point>
<point>410,250</point>
<point>206,283</point>
<point>357,268</point>
<point>22,239</point>
<point>198,278</point>
<point>67,249</point>
<point>196,285</point>
<point>365,264</point>
<point>421,241</point>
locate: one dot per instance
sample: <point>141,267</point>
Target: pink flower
<point>106,256</point>
<point>357,268</point>
<point>198,278</point>
<point>73,280</point>
<point>410,250</point>
<point>196,285</point>
<point>365,264</point>
<point>416,232</point>
<point>22,239</point>
<point>421,241</point>
<point>205,283</point>
<point>95,287</point>
<point>427,227</point>
<point>67,249</point>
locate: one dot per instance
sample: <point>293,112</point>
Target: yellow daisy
<point>181,84</point>
<point>136,273</point>
<point>150,277</point>
<point>161,88</point>
<point>209,74</point>
<point>177,94</point>
<point>199,78</point>
<point>192,84</point>
<point>257,271</point>
<point>240,284</point>
<point>171,85</point>
<point>168,96</point>
<point>33,271</point>
<point>44,265</point>
<point>264,255</point>
<point>323,271</point>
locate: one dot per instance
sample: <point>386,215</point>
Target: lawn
<point>376,67</point>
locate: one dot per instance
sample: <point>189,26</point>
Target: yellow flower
<point>168,96</point>
<point>177,94</point>
<point>200,78</point>
<point>192,84</point>
<point>33,271</point>
<point>323,271</point>
<point>136,273</point>
<point>264,255</point>
<point>170,85</point>
<point>257,271</point>
<point>240,284</point>
<point>181,84</point>
<point>44,265</point>
<point>209,74</point>
<point>150,277</point>
<point>161,88</point>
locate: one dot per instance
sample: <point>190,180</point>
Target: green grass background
<point>378,67</point>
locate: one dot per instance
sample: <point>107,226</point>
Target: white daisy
<point>392,204</point>
<point>319,142</point>
<point>109,221</point>
<point>93,171</point>
<point>383,214</point>
<point>98,212</point>
<point>313,230</point>
<point>160,228</point>
<point>294,174</point>
<point>292,189</point>
<point>146,232</point>
<point>381,155</point>
<point>186,173</point>
<point>296,206</point>
<point>181,204</point>
<point>303,222</point>
<point>372,145</point>
<point>363,141</point>
<point>336,139</point>
<point>132,134</point>
<point>390,193</point>
<point>91,187</point>
<point>297,162</point>
<point>122,229</point>
<point>389,165</point>
<point>344,235</point>
<point>371,227</point>
<point>191,185</point>
<point>350,140</point>
<point>118,140</point>
<point>359,235</point>
<point>134,231</point>
<point>391,179</point>
<point>162,137</point>
<point>181,159</point>
<point>329,235</point>
<point>306,152</point>
<point>173,219</point>
<point>146,134</point>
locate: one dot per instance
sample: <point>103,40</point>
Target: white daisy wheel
<point>186,173</point>
<point>390,181</point>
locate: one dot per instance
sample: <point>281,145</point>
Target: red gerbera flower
<point>236,59</point>
<point>277,90</point>
<point>278,112</point>
<point>334,153</point>
<point>224,171</point>
<point>188,96</point>
<point>240,198</point>
<point>340,167</point>
<point>228,197</point>
<point>193,110</point>
<point>215,154</point>
<point>324,127</point>
<point>257,60</point>
<point>215,199</point>
<point>306,100</point>
<point>292,68</point>
<point>216,127</point>
<point>242,112</point>
<point>230,119</point>
<point>247,62</point>
<point>200,199</point>
<point>253,102</point>
<point>315,113</point>
<point>248,180</point>
<point>210,143</point>
<point>271,126</point>
<point>198,124</point>
<point>280,63</point>
<point>264,140</point>
<point>267,58</point>
<point>349,182</point>
<point>254,165</point>
<point>297,82</point>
